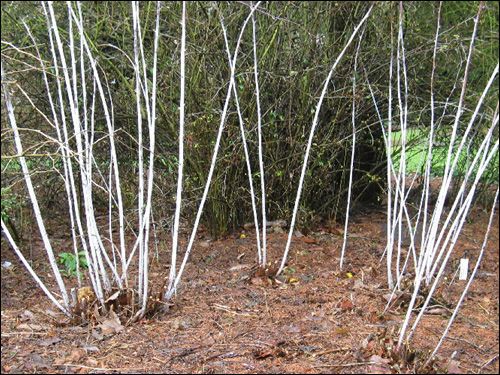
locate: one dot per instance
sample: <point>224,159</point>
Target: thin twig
<point>348,364</point>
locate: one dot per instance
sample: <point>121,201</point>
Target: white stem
<point>73,68</point>
<point>152,131</point>
<point>140,204</point>
<point>259,135</point>
<point>353,120</point>
<point>392,174</point>
<point>427,176</point>
<point>432,251</point>
<point>169,292</point>
<point>484,147</point>
<point>455,230</point>
<point>32,272</point>
<point>110,125</point>
<point>245,148</point>
<point>403,112</point>
<point>31,191</point>
<point>466,289</point>
<point>91,261</point>
<point>442,194</point>
<point>390,237</point>
<point>433,226</point>
<point>173,263</point>
<point>63,151</point>
<point>53,29</point>
<point>311,135</point>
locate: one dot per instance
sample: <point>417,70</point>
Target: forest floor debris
<point>315,318</point>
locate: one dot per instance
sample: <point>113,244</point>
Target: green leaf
<point>83,263</point>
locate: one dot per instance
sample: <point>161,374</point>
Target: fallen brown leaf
<point>50,341</point>
<point>26,315</point>
<point>379,365</point>
<point>35,361</point>
<point>240,267</point>
<point>111,325</point>
<point>32,327</point>
<point>309,240</point>
<point>75,356</point>
<point>454,367</point>
<point>92,362</point>
<point>346,305</point>
<point>257,281</point>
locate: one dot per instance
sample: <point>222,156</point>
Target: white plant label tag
<point>464,267</point>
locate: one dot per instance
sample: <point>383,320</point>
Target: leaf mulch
<point>228,318</point>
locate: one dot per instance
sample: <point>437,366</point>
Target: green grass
<point>416,156</point>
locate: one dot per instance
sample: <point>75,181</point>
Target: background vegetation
<point>297,43</point>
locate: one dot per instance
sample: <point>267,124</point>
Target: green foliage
<point>9,202</point>
<point>417,151</point>
<point>297,43</point>
<point>70,262</point>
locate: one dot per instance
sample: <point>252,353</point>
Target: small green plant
<point>69,262</point>
<point>9,202</point>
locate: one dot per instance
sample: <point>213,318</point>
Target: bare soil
<point>316,318</point>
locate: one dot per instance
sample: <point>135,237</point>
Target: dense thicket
<point>297,43</point>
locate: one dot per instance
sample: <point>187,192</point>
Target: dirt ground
<point>315,319</point>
